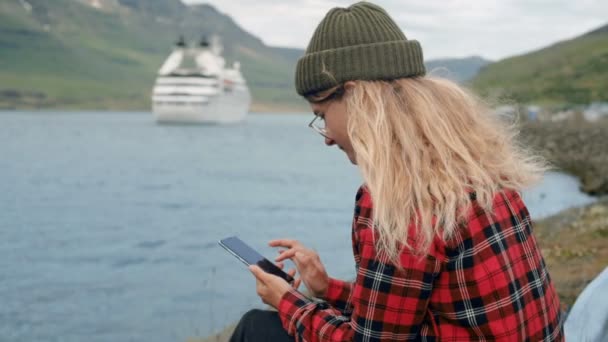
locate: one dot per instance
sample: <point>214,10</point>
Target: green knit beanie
<point>360,42</point>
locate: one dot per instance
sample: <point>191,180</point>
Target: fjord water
<point>110,223</point>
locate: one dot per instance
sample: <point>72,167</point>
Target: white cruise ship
<point>194,86</point>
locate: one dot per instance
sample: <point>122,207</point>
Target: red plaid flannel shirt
<point>489,282</point>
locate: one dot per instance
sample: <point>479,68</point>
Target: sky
<point>493,29</point>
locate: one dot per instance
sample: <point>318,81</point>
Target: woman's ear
<point>349,85</point>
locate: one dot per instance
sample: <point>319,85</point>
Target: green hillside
<point>457,69</point>
<point>569,72</point>
<point>70,54</point>
<point>104,54</point>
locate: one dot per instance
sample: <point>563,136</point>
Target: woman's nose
<point>329,141</point>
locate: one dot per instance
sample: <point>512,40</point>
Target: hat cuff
<point>372,62</point>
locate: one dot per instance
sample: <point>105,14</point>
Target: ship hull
<point>223,108</point>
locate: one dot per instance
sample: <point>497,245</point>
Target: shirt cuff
<point>290,307</point>
<point>338,291</point>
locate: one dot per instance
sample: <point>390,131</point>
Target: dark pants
<point>260,325</point>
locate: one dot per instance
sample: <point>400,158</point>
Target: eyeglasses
<point>318,122</point>
<point>318,125</point>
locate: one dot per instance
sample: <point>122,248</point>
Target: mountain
<point>103,54</point>
<point>574,71</point>
<point>456,69</point>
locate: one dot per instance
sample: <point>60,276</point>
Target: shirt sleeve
<point>388,302</point>
<point>339,292</point>
<point>339,295</point>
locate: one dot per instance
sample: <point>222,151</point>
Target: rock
<point>574,244</point>
<point>578,148</point>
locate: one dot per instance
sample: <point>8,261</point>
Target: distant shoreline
<point>142,111</point>
<point>256,107</point>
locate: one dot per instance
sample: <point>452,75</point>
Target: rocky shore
<point>577,147</point>
<point>574,244</point>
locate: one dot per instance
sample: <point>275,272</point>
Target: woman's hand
<point>270,287</point>
<point>312,272</point>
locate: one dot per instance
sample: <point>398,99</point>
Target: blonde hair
<point>423,145</point>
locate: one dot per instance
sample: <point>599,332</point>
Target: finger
<point>301,257</point>
<point>288,254</point>
<point>298,259</point>
<point>261,291</point>
<point>296,283</point>
<point>258,273</point>
<point>301,261</point>
<point>289,243</point>
<point>292,272</point>
<point>280,265</point>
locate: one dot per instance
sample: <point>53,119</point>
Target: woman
<point>441,238</point>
